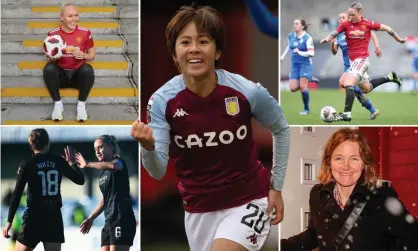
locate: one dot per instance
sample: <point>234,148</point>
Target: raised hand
<point>143,134</point>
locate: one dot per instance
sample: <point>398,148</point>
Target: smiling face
<point>69,18</point>
<point>104,152</point>
<point>346,164</point>
<point>195,53</point>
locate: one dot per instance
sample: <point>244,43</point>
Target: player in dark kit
<point>42,219</point>
<point>201,121</point>
<point>120,226</point>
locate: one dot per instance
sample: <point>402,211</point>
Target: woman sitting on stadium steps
<point>71,70</point>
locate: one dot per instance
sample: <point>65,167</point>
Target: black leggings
<point>82,79</point>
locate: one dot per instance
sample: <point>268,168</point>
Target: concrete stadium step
<point>104,44</point>
<point>129,10</point>
<point>77,2</point>
<point>28,90</point>
<point>52,11</point>
<point>129,26</point>
<point>132,44</point>
<point>25,114</point>
<point>42,26</point>
<point>32,65</point>
<point>135,73</point>
<point>86,11</point>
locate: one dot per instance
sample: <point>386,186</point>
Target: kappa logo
<point>180,113</point>
<point>253,239</point>
<point>232,105</point>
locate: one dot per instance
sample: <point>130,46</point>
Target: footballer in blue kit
<point>264,20</point>
<point>415,66</point>
<point>302,47</point>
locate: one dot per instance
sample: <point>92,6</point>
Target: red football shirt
<point>358,37</point>
<point>80,38</point>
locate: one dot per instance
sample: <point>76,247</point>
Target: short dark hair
<point>38,139</point>
<point>207,20</point>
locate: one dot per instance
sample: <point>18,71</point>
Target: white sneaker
<point>81,112</point>
<point>57,112</point>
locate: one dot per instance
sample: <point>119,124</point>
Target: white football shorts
<point>247,225</point>
<point>359,68</point>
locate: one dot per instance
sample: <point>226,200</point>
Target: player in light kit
<point>42,219</point>
<point>120,227</point>
<point>201,122</point>
<point>357,32</point>
<point>72,69</point>
<point>415,66</point>
<point>302,46</point>
<point>340,42</point>
<point>265,21</point>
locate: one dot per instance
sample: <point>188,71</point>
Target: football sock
<point>305,98</point>
<point>365,103</point>
<point>379,81</point>
<point>349,98</point>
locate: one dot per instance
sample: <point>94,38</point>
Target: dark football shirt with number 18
<point>43,173</point>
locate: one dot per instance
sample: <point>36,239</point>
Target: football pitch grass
<point>395,108</point>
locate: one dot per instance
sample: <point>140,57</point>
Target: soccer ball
<point>328,114</point>
<point>54,46</point>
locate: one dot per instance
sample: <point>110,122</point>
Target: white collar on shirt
<point>301,36</point>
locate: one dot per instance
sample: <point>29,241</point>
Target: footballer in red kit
<point>79,39</point>
<point>71,70</point>
<point>357,30</point>
<point>357,36</point>
<point>200,121</point>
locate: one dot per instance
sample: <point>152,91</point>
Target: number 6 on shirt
<point>118,232</point>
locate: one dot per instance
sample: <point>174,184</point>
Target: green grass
<point>395,108</point>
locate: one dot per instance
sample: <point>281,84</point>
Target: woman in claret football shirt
<point>357,31</point>
<point>201,121</point>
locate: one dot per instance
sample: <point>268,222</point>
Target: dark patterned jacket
<point>383,225</point>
